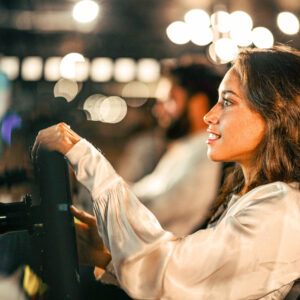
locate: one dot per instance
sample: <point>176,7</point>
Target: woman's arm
<point>250,253</point>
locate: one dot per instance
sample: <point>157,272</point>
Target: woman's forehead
<point>231,81</point>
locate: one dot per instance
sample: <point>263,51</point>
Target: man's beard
<point>179,127</point>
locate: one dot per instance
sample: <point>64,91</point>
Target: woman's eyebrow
<point>229,92</point>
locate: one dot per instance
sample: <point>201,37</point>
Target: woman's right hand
<point>90,246</point>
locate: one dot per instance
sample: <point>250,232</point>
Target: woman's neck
<point>249,172</point>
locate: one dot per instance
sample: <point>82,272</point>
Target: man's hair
<point>196,77</point>
<point>271,84</point>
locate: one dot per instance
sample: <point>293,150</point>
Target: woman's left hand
<point>59,137</point>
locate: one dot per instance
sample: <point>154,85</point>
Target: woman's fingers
<point>83,216</point>
<point>58,137</point>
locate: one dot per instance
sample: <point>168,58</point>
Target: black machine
<point>51,225</point>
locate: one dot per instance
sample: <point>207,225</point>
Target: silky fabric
<point>252,252</point>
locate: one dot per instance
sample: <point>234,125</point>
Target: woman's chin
<point>214,156</point>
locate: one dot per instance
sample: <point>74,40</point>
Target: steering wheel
<point>59,251</point>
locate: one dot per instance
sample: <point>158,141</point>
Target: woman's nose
<point>211,117</point>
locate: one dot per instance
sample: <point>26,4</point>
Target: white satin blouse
<point>253,252</point>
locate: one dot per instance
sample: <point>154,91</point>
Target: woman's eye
<point>226,103</point>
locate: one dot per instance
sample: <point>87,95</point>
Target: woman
<point>252,248</point>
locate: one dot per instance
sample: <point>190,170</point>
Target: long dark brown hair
<point>271,84</point>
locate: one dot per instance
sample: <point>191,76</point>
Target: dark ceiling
<point>124,28</point>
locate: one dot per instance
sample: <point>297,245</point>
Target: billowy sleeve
<point>252,252</point>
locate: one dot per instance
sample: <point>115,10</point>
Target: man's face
<point>171,102</point>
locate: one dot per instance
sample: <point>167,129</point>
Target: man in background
<point>183,186</point>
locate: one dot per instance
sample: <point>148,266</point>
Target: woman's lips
<point>212,137</point>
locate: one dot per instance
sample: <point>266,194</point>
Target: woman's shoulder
<point>276,195</point>
<point>275,189</point>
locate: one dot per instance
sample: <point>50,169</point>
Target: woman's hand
<point>90,246</point>
<point>56,138</point>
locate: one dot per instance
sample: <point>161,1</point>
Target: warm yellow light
<point>226,49</point>
<point>101,69</point>
<point>85,11</point>
<point>10,66</point>
<point>32,68</point>
<point>148,70</point>
<point>201,37</point>
<point>288,23</point>
<point>240,19</point>
<point>52,68</point>
<point>135,89</point>
<point>113,109</point>
<point>125,69</point>
<point>178,33</point>
<point>262,37</point>
<point>74,66</point>
<point>197,18</point>
<point>221,20</point>
<point>242,38</point>
<point>66,88</point>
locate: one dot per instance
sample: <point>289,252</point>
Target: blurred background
<point>96,64</point>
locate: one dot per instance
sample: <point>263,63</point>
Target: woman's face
<point>235,130</point>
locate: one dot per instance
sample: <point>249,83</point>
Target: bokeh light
<point>201,37</point>
<point>288,23</point>
<point>137,92</point>
<point>242,38</point>
<point>262,37</point>
<point>85,11</point>
<point>221,21</point>
<point>52,68</point>
<point>148,70</point>
<point>240,19</point>
<point>178,33</point>
<point>226,49</point>
<point>101,69</point>
<point>125,69</point>
<point>66,88</point>
<point>113,109</point>
<point>197,18</point>
<point>32,68</point>
<point>135,89</point>
<point>74,66</point>
<point>91,106</point>
<point>10,66</point>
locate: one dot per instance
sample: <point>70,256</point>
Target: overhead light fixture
<point>288,23</point>
<point>240,19</point>
<point>242,38</point>
<point>148,70</point>
<point>178,32</point>
<point>262,37</point>
<point>74,66</point>
<point>101,69</point>
<point>201,37</point>
<point>226,49</point>
<point>10,66</point>
<point>198,18</point>
<point>52,68</point>
<point>66,88</point>
<point>85,11</point>
<point>221,21</point>
<point>125,69</point>
<point>32,68</point>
